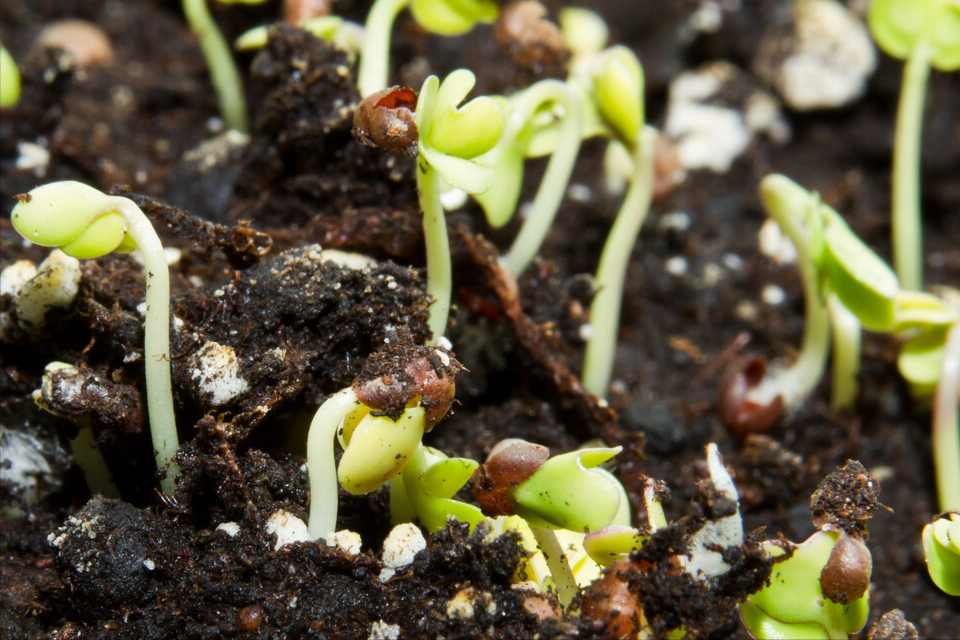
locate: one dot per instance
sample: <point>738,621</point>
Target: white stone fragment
<point>54,286</point>
<point>32,157</point>
<point>216,372</point>
<point>399,549</point>
<point>676,266</point>
<point>826,60</point>
<point>229,528</point>
<point>348,259</point>
<point>149,564</point>
<point>347,540</point>
<point>287,527</point>
<point>706,136</point>
<point>773,295</point>
<point>23,464</point>
<point>14,276</point>
<point>381,630</point>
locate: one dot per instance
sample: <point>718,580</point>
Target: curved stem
<point>846,354</point>
<point>156,339</point>
<point>560,570</point>
<point>321,465</point>
<point>439,276</point>
<point>946,424</point>
<point>788,208</point>
<point>223,69</point>
<point>907,241</point>
<point>605,309</point>
<point>375,60</point>
<point>554,184</point>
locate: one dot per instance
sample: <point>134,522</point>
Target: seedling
<point>617,84</point>
<point>563,492</point>
<point>428,483</point>
<point>223,70</point>
<point>86,223</point>
<point>941,547</point>
<point>9,80</point>
<point>446,140</point>
<point>820,591</point>
<point>443,17</point>
<point>524,110</point>
<point>379,423</point>
<point>946,427</point>
<point>922,33</point>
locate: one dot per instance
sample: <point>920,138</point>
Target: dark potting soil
<point>247,221</point>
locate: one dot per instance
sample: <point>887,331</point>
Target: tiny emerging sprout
<point>380,421</point>
<point>923,33</point>
<point>9,80</point>
<point>443,17</point>
<point>86,223</point>
<point>941,548</point>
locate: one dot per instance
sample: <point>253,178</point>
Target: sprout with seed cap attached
<point>568,491</point>
<point>379,422</point>
<point>446,138</point>
<point>923,33</point>
<point>86,223</point>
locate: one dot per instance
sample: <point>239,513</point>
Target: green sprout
<point>819,591</point>
<point>446,140</point>
<point>567,491</point>
<point>617,88</point>
<point>428,483</point>
<point>525,110</point>
<point>923,33</point>
<point>941,547</point>
<point>86,223</point>
<point>946,425</point>
<point>443,17</point>
<point>379,422</point>
<point>223,70</point>
<point>9,80</point>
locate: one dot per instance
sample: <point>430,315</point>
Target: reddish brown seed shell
<point>385,120</point>
<point>532,40</point>
<point>846,576</point>
<point>429,375</point>
<point>741,415</point>
<point>296,12</point>
<point>510,462</point>
<point>609,600</point>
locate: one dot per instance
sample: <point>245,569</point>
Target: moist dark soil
<point>249,221</point>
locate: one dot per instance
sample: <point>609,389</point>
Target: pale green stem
<point>223,69</point>
<point>560,570</point>
<point>375,59</point>
<point>156,338</point>
<point>795,383</point>
<point>439,276</point>
<point>321,465</point>
<point>605,309</point>
<point>946,424</point>
<point>91,463</point>
<point>907,240</point>
<point>845,385</point>
<point>554,184</point>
